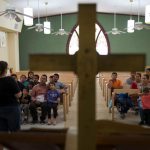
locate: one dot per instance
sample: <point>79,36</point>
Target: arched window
<point>102,42</point>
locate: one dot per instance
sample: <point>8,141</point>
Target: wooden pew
<point>118,91</point>
<point>35,138</point>
<point>68,78</point>
<point>64,77</point>
<point>109,135</point>
<point>65,105</point>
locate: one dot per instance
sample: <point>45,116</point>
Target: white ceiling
<point>55,7</point>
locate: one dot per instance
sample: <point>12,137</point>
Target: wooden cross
<point>86,63</point>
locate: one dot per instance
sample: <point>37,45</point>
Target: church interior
<point>98,53</point>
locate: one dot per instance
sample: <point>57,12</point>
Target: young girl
<point>146,105</point>
<point>53,98</point>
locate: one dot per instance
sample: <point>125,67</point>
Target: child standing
<point>53,98</point>
<point>24,103</point>
<point>146,105</point>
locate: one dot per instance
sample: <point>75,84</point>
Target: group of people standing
<point>26,95</point>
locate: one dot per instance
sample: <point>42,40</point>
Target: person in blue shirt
<point>53,98</point>
<point>59,85</point>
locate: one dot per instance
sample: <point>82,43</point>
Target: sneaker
<point>141,123</point>
<point>42,122</point>
<point>34,121</point>
<point>25,120</point>
<point>49,122</point>
<point>122,116</point>
<point>54,122</point>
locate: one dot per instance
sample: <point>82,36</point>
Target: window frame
<point>101,30</point>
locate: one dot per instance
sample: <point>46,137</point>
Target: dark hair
<point>44,76</point>
<point>147,69</point>
<point>56,74</point>
<point>147,76</point>
<point>26,88</point>
<point>23,76</point>
<point>36,75</point>
<point>13,75</point>
<point>53,83</point>
<point>51,76</point>
<point>30,72</point>
<point>138,73</point>
<point>3,67</point>
<point>114,73</point>
<point>146,90</point>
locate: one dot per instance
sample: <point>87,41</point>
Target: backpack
<point>123,102</point>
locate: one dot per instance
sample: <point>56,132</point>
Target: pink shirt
<point>38,90</point>
<point>146,101</point>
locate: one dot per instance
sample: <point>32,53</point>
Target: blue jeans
<point>140,109</point>
<point>9,118</point>
<point>110,103</point>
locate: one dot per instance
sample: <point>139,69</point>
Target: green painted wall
<point>32,42</point>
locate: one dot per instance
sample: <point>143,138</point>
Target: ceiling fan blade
<point>61,31</point>
<point>31,27</point>
<point>108,32</point>
<point>47,28</point>
<point>23,14</point>
<point>55,33</point>
<point>10,15</point>
<point>121,31</point>
<point>115,33</point>
<point>67,33</point>
<point>17,18</point>
<point>146,26</point>
<point>2,13</point>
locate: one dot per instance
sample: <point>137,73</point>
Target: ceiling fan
<point>11,13</point>
<point>39,27</point>
<point>140,25</point>
<point>115,30</point>
<point>61,31</point>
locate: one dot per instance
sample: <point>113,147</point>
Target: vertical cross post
<point>86,70</point>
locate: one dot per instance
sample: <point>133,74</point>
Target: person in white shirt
<point>38,100</point>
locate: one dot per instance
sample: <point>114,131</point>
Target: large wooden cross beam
<point>87,63</point>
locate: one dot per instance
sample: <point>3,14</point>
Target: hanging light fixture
<point>130,23</point>
<point>147,14</point>
<point>28,21</point>
<point>47,24</point>
<point>130,26</point>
